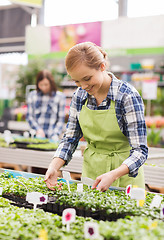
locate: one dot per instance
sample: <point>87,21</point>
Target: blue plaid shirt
<point>130,116</point>
<point>46,112</point>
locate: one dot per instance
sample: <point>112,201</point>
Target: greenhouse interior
<point>80,82</point>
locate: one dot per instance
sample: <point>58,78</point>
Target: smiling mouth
<point>88,90</point>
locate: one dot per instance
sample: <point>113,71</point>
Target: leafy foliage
<point>27,76</point>
<point>24,224</point>
<point>91,200</point>
<point>154,137</point>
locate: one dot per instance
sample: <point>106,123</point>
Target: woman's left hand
<point>104,181</point>
<point>40,133</point>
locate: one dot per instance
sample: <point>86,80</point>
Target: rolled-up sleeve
<point>135,129</point>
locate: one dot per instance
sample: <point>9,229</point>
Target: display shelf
<point>141,75</point>
<point>69,87</point>
<point>26,157</point>
<point>41,159</point>
<point>31,158</point>
<point>154,175</point>
<point>153,169</point>
<point>140,71</point>
<point>18,125</point>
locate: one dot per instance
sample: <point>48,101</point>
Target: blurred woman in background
<point>46,107</point>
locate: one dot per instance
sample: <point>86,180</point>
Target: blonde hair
<point>88,53</point>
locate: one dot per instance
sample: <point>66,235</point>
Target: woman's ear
<point>102,67</point>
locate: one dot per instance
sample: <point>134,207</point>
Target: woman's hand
<point>52,172</point>
<point>105,180</point>
<point>51,178</point>
<point>40,133</point>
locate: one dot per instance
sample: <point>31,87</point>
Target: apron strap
<point>112,103</point>
<point>86,101</point>
<point>105,151</point>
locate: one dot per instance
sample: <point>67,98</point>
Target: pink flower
<point>90,231</point>
<point>128,190</point>
<point>68,216</point>
<point>42,199</point>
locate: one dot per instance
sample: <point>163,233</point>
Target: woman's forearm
<point>56,163</point>
<point>120,171</point>
<point>105,180</point>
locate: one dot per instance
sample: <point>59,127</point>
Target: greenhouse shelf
<point>153,169</point>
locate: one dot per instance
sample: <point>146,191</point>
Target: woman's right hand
<point>51,178</point>
<point>52,172</point>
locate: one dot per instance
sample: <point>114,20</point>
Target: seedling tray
<point>40,149</point>
<point>24,144</point>
<point>57,208</point>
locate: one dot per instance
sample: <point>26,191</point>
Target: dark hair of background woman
<point>46,74</point>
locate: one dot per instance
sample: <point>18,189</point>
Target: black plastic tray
<point>56,208</point>
<point>25,144</point>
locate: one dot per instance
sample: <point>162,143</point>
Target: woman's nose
<point>84,86</point>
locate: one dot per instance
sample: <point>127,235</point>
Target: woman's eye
<point>87,79</point>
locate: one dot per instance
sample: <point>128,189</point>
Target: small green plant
<point>154,137</point>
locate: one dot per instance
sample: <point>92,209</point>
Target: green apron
<point>107,147</point>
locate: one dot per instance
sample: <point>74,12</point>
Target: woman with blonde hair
<point>109,113</point>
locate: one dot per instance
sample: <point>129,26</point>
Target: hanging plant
<point>27,76</point>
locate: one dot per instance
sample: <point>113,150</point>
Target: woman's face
<point>44,86</point>
<point>87,78</point>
